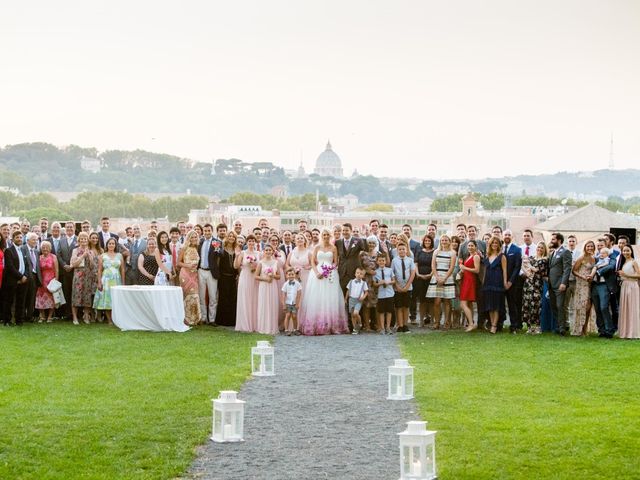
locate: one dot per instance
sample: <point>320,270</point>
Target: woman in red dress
<point>469,270</point>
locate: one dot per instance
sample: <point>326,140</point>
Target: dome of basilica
<point>328,163</point>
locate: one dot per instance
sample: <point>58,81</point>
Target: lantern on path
<point>262,360</point>
<point>400,380</point>
<point>417,452</point>
<point>228,418</point>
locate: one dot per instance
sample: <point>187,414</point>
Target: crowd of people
<point>317,282</point>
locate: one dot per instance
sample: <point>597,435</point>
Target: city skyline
<point>454,91</point>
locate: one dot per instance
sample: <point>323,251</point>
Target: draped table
<point>148,307</point>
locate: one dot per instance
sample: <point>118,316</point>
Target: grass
<point>520,407</point>
<point>96,403</point>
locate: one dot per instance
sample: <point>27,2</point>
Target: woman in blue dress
<point>495,279</point>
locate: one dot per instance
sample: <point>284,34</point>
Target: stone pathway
<point>323,416</point>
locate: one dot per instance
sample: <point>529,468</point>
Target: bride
<point>322,312</point>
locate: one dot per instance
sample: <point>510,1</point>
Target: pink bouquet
<point>216,245</point>
<point>268,271</point>
<point>326,271</point>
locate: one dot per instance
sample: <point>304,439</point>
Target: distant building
<point>89,164</point>
<point>328,163</point>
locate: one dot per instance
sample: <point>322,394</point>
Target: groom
<point>349,249</point>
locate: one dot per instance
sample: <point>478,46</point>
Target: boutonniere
<point>353,245</point>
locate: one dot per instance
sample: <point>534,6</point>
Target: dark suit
<point>603,289</point>
<point>101,240</point>
<point>283,249</point>
<point>560,264</point>
<point>349,259</point>
<point>66,278</point>
<point>12,291</point>
<point>54,250</point>
<point>131,273</point>
<point>34,280</point>
<point>513,254</point>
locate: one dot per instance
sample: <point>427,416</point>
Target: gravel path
<point>323,416</point>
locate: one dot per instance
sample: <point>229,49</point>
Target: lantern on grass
<point>228,418</point>
<point>400,380</point>
<point>417,452</point>
<point>262,360</point>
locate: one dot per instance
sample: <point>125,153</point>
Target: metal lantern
<point>417,452</point>
<point>262,360</point>
<point>400,380</point>
<point>228,418</point>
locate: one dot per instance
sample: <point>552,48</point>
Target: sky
<point>405,88</point>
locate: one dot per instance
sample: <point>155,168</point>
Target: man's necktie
<point>404,270</point>
<point>526,251</point>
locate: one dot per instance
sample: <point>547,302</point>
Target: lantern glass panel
<point>217,423</point>
<point>268,363</point>
<point>430,455</point>
<point>396,385</point>
<point>406,459</point>
<point>408,386</point>
<point>416,465</point>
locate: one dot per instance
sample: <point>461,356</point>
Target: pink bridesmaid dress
<point>268,301</point>
<point>300,261</point>
<point>247,306</point>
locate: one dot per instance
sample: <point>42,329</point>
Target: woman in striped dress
<point>442,286</point>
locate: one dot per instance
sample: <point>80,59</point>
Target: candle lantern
<point>417,452</point>
<point>228,418</point>
<point>400,380</point>
<point>262,360</point>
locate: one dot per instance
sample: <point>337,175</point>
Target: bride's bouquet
<point>327,270</point>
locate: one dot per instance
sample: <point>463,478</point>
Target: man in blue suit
<point>603,287</point>
<point>513,294</point>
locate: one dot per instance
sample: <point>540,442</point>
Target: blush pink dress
<point>247,306</point>
<point>268,301</point>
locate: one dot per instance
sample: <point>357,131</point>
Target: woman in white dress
<point>165,261</point>
<point>322,312</point>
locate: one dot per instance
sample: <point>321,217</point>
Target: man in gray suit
<point>136,246</point>
<point>65,249</point>
<point>560,263</point>
<point>32,254</point>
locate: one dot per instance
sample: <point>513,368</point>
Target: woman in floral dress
<point>535,269</point>
<point>49,271</point>
<point>110,274</point>
<point>83,287</point>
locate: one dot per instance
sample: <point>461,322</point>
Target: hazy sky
<point>435,89</point>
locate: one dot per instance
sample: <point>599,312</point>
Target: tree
<point>450,203</point>
<point>35,214</point>
<point>492,201</point>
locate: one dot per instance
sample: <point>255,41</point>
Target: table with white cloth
<point>148,307</point>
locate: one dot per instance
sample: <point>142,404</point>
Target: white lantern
<point>400,380</point>
<point>417,452</point>
<point>228,418</point>
<point>262,360</point>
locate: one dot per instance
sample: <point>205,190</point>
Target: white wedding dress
<point>322,311</point>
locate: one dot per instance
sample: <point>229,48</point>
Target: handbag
<point>54,285</point>
<point>58,298</point>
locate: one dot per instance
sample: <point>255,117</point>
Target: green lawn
<point>94,402</point>
<point>520,407</point>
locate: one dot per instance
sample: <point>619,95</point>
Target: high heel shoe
<point>493,330</point>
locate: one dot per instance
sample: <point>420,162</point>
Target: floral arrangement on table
<point>326,271</point>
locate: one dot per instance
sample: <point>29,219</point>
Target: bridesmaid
<point>278,254</point>
<point>300,259</point>
<point>468,286</point>
<point>268,294</point>
<point>228,282</point>
<point>94,246</point>
<point>110,274</point>
<point>582,296</point>
<point>49,271</point>
<point>247,303</point>
<point>188,264</point>
<point>629,316</point>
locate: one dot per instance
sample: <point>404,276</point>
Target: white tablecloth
<point>154,308</point>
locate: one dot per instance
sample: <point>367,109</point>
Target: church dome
<point>328,163</point>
